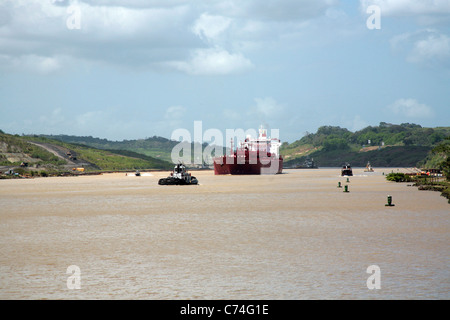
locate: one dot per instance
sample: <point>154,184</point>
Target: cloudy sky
<point>129,69</point>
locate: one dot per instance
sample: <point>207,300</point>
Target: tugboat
<point>308,164</point>
<point>179,176</point>
<point>346,170</point>
<point>368,168</point>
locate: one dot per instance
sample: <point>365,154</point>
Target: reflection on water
<point>290,236</point>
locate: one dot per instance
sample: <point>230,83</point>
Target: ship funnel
<point>262,132</point>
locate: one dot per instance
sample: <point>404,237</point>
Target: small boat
<point>368,168</point>
<point>136,174</point>
<point>308,164</point>
<point>346,170</point>
<point>179,176</point>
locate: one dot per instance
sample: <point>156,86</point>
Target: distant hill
<point>14,150</point>
<point>155,147</point>
<point>41,152</point>
<point>386,145</point>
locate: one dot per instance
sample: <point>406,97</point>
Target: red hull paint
<point>261,167</point>
<point>253,156</point>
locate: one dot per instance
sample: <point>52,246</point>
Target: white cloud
<point>107,34</point>
<point>131,3</point>
<point>359,123</point>
<point>231,114</point>
<point>411,108</point>
<point>173,117</point>
<point>213,61</point>
<point>55,118</point>
<point>266,108</point>
<point>149,33</point>
<point>209,27</point>
<point>89,118</point>
<point>409,7</point>
<point>175,113</point>
<point>280,10</point>
<point>423,12</point>
<point>429,47</point>
<point>435,46</point>
<point>35,63</point>
<point>110,22</point>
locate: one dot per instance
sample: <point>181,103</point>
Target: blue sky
<point>133,69</point>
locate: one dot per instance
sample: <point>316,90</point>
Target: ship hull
<point>261,167</point>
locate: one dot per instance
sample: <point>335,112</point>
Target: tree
<point>333,143</point>
<point>443,148</point>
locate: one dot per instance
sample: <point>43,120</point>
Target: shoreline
<point>439,185</point>
<point>56,172</point>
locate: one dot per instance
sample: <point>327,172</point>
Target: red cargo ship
<point>253,156</point>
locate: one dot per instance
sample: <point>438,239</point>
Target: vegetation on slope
<point>16,149</point>
<point>155,147</point>
<point>386,145</point>
<point>383,145</point>
<point>439,158</point>
<point>19,150</point>
<point>112,159</point>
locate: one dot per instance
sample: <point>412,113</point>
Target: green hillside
<point>385,145</point>
<point>14,150</point>
<point>39,153</point>
<point>155,147</point>
<point>404,145</point>
<point>109,159</point>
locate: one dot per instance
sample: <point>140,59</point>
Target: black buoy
<point>389,202</point>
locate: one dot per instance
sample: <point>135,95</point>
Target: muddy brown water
<point>289,236</point>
